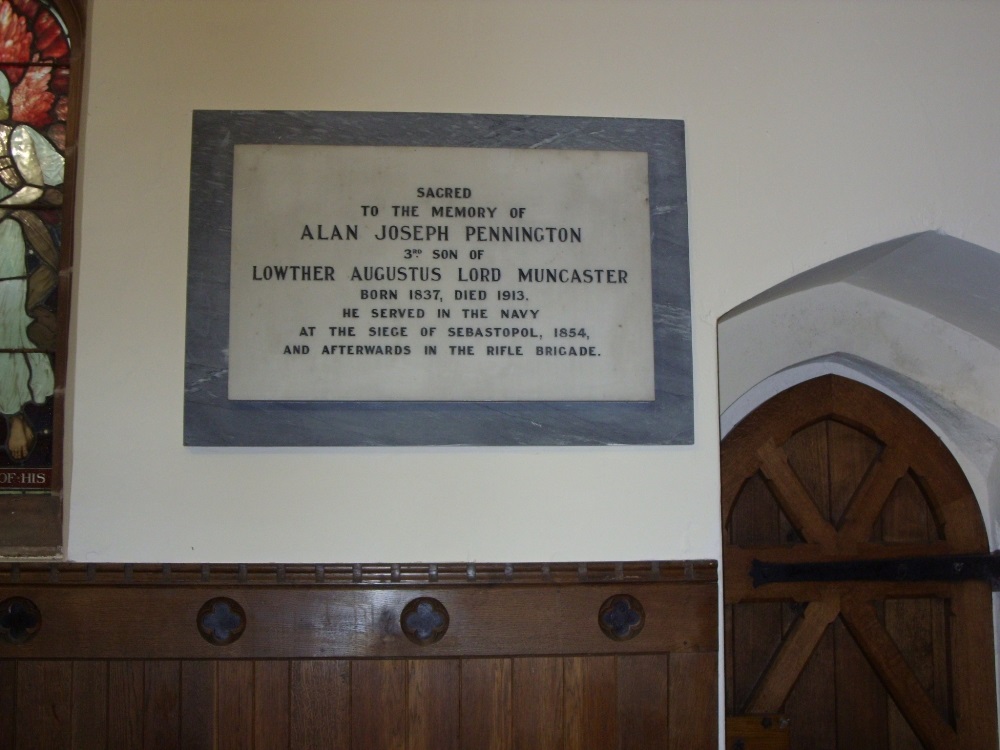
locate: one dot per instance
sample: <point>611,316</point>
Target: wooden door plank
<point>320,704</point>
<point>234,704</point>
<point>812,723</point>
<point>44,705</point>
<point>973,678</point>
<point>754,631</point>
<point>808,452</point>
<point>693,701</point>
<point>198,682</point>
<point>90,705</point>
<point>126,690</point>
<point>643,702</point>
<point>758,633</point>
<point>433,704</point>
<point>909,622</point>
<point>591,701</point>
<point>271,705</point>
<point>486,704</point>
<point>793,497</point>
<point>788,663</point>
<point>378,705</point>
<point>867,503</point>
<point>890,665</point>
<point>860,704</point>
<point>162,704</point>
<point>537,703</point>
<point>906,518</point>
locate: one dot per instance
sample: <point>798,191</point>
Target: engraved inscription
<point>440,274</point>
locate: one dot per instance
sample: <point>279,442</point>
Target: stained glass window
<point>35,96</point>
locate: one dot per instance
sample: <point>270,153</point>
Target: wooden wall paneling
<point>320,707</point>
<point>162,704</point>
<point>271,705</point>
<point>556,682</point>
<point>234,705</point>
<point>90,705</point>
<point>537,703</point>
<point>693,701</point>
<point>197,725</point>
<point>378,704</point>
<point>8,703</point>
<point>433,704</point>
<point>643,702</point>
<point>486,704</point>
<point>44,722</point>
<point>590,692</point>
<point>126,698</point>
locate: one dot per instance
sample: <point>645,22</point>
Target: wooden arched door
<point>832,470</point>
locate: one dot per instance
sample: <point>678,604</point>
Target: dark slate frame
<point>211,419</point>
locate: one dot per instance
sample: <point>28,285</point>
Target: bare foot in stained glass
<point>19,438</point>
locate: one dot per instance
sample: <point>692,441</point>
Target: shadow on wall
<point>918,318</point>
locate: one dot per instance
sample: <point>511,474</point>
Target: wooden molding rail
<point>216,574</point>
<point>355,611</point>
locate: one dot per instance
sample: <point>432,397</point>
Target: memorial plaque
<point>424,279</point>
<point>365,273</point>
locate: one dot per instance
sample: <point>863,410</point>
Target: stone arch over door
<point>918,317</point>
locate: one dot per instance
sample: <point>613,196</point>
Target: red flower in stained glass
<point>31,33</point>
<point>15,39</point>
<point>31,101</point>
<point>50,39</point>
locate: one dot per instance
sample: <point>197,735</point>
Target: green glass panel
<point>29,262</point>
<point>34,88</point>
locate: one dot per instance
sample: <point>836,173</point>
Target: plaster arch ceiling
<point>917,317</point>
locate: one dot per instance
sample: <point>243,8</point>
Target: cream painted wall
<point>814,128</point>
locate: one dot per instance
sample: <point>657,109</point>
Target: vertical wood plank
<point>643,702</point>
<point>378,705</point>
<point>433,701</point>
<point>320,704</point>
<point>486,701</point>
<point>807,452</point>
<point>830,484</point>
<point>271,707</point>
<point>198,705</point>
<point>8,703</point>
<point>90,705</point>
<point>812,720</point>
<point>755,629</point>
<point>861,697</point>
<point>162,704</point>
<point>906,517</point>
<point>125,702</point>
<point>44,705</point>
<point>694,720</point>
<point>537,703</point>
<point>860,703</point>
<point>590,705</point>
<point>974,678</point>
<point>234,705</point>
